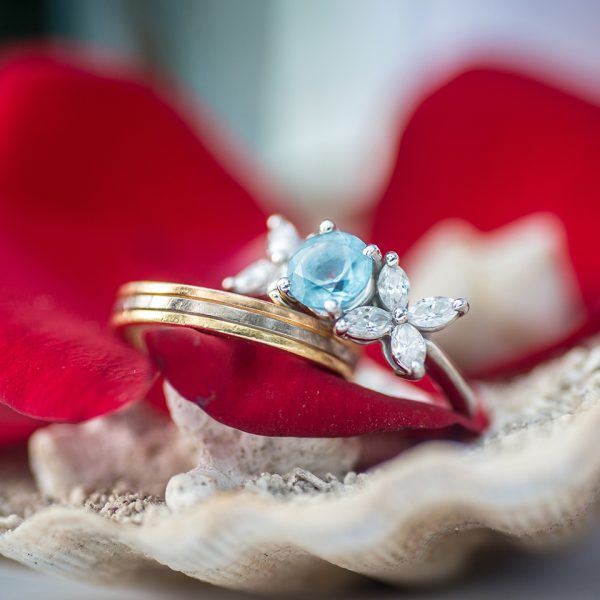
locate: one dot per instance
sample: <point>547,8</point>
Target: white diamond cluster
<point>389,319</point>
<point>257,278</point>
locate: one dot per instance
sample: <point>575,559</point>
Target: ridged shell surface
<point>416,519</point>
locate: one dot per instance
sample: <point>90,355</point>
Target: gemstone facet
<point>393,287</point>
<point>367,323</point>
<point>282,240</point>
<point>408,348</point>
<point>256,278</point>
<point>430,314</point>
<point>330,266</point>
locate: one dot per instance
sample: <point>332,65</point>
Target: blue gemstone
<point>330,266</point>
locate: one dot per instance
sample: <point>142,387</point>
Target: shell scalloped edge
<point>394,528</point>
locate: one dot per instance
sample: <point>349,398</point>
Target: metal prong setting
<point>399,368</point>
<point>274,221</point>
<point>284,285</point>
<point>333,308</point>
<point>391,259</point>
<point>280,294</point>
<point>279,258</point>
<point>340,327</point>
<point>399,316</point>
<point>412,373</point>
<point>461,306</point>
<point>228,283</point>
<point>417,371</point>
<point>374,253</point>
<point>275,295</point>
<point>327,226</point>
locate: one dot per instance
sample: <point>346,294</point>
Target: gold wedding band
<point>146,303</point>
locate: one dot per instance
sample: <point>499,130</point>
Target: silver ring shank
<point>441,370</point>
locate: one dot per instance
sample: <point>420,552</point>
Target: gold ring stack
<point>145,303</point>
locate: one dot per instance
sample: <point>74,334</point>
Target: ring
<point>362,296</point>
<point>145,303</point>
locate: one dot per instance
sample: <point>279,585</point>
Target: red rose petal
<point>491,147</point>
<point>100,182</point>
<point>61,369</point>
<point>14,427</point>
<point>265,391</point>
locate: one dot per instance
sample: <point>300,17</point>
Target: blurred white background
<point>317,89</point>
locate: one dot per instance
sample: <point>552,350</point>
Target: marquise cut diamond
<point>256,278</point>
<point>408,348</point>
<point>393,287</point>
<point>433,313</point>
<point>367,323</point>
<point>282,240</point>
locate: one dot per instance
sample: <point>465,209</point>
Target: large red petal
<point>14,427</point>
<point>59,368</point>
<point>100,182</point>
<point>266,391</point>
<point>491,147</point>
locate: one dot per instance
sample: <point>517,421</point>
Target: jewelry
<point>144,303</point>
<point>363,297</point>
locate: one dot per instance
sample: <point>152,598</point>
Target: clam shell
<point>416,519</point>
<point>133,449</point>
<point>228,459</point>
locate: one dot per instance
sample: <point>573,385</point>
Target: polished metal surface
<point>230,314</point>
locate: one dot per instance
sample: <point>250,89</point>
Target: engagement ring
<point>364,297</point>
<point>329,292</point>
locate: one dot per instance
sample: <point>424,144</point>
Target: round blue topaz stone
<point>330,266</point>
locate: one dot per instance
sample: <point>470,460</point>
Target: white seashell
<point>416,519</point>
<point>393,287</point>
<point>133,449</point>
<point>227,458</point>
